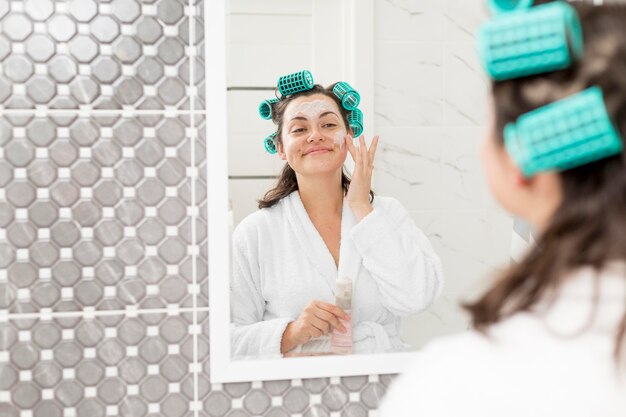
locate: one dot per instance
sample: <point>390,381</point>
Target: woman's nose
<point>316,135</point>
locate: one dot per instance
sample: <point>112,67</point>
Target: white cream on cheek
<point>340,137</point>
<point>312,110</point>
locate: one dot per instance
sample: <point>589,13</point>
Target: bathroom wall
<point>103,269</point>
<point>103,258</point>
<point>430,114</point>
<point>103,283</point>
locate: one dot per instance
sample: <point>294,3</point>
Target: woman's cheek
<point>339,137</point>
<point>290,143</point>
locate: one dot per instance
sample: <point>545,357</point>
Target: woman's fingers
<point>363,149</point>
<point>350,146</point>
<point>348,142</point>
<point>362,154</point>
<point>333,309</point>
<point>318,318</point>
<point>354,152</point>
<point>329,318</point>
<point>319,324</point>
<point>372,151</point>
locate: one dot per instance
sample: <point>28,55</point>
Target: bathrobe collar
<point>313,245</point>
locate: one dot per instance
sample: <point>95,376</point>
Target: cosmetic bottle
<point>341,343</point>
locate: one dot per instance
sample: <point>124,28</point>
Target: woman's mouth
<point>318,150</point>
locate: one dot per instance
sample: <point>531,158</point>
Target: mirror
<point>423,92</point>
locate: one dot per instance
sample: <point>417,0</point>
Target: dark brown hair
<point>589,226</point>
<point>287,181</point>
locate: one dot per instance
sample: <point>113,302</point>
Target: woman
<point>549,338</point>
<point>317,226</point>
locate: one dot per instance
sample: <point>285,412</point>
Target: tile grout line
<point>96,112</point>
<point>86,313</point>
<point>194,271</point>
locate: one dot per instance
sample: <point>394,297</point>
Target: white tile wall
<point>263,39</point>
<point>408,83</point>
<point>274,7</point>
<point>430,113</point>
<point>246,131</point>
<point>413,20</point>
<point>260,44</point>
<point>408,166</point>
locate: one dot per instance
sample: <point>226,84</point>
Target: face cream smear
<point>312,111</point>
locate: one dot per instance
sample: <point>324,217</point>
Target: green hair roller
<point>270,144</point>
<point>355,119</point>
<point>542,39</point>
<point>265,108</point>
<point>295,83</point>
<point>507,6</point>
<point>564,134</point>
<point>349,97</point>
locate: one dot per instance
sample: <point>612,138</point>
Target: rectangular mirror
<point>421,90</point>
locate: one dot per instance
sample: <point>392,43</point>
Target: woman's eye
<point>329,125</point>
<point>298,130</point>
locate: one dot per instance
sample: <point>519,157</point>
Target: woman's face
<point>313,135</point>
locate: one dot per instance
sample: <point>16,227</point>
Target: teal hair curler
<point>265,108</point>
<point>542,39</point>
<point>270,144</point>
<point>562,135</point>
<point>349,97</point>
<point>355,119</point>
<point>295,83</point>
<point>508,6</point>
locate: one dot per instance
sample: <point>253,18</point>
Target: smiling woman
<point>324,267</point>
<point>295,115</point>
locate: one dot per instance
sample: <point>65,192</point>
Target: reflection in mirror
<point>325,266</point>
<point>321,265</point>
<point>429,193</point>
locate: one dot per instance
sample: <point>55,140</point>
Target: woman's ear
<point>519,179</point>
<point>514,172</point>
<point>281,151</point>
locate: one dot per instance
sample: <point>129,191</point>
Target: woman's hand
<point>317,319</point>
<point>359,190</point>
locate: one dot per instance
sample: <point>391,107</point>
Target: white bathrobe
<point>281,263</point>
<point>556,360</point>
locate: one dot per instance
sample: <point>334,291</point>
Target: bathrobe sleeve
<point>399,257</point>
<point>251,336</point>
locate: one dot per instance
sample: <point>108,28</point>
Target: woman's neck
<point>321,195</point>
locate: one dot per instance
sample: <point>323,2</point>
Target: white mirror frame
<point>358,66</point>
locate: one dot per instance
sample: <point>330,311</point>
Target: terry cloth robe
<point>281,263</point>
<point>556,359</point>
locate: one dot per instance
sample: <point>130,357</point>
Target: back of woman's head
<point>589,226</point>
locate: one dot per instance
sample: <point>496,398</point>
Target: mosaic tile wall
<point>103,265</point>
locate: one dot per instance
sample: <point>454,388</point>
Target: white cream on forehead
<point>312,110</point>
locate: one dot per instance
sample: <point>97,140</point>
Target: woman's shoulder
<point>471,343</point>
<point>387,203</point>
<point>512,336</point>
<point>519,336</point>
<point>390,207</point>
